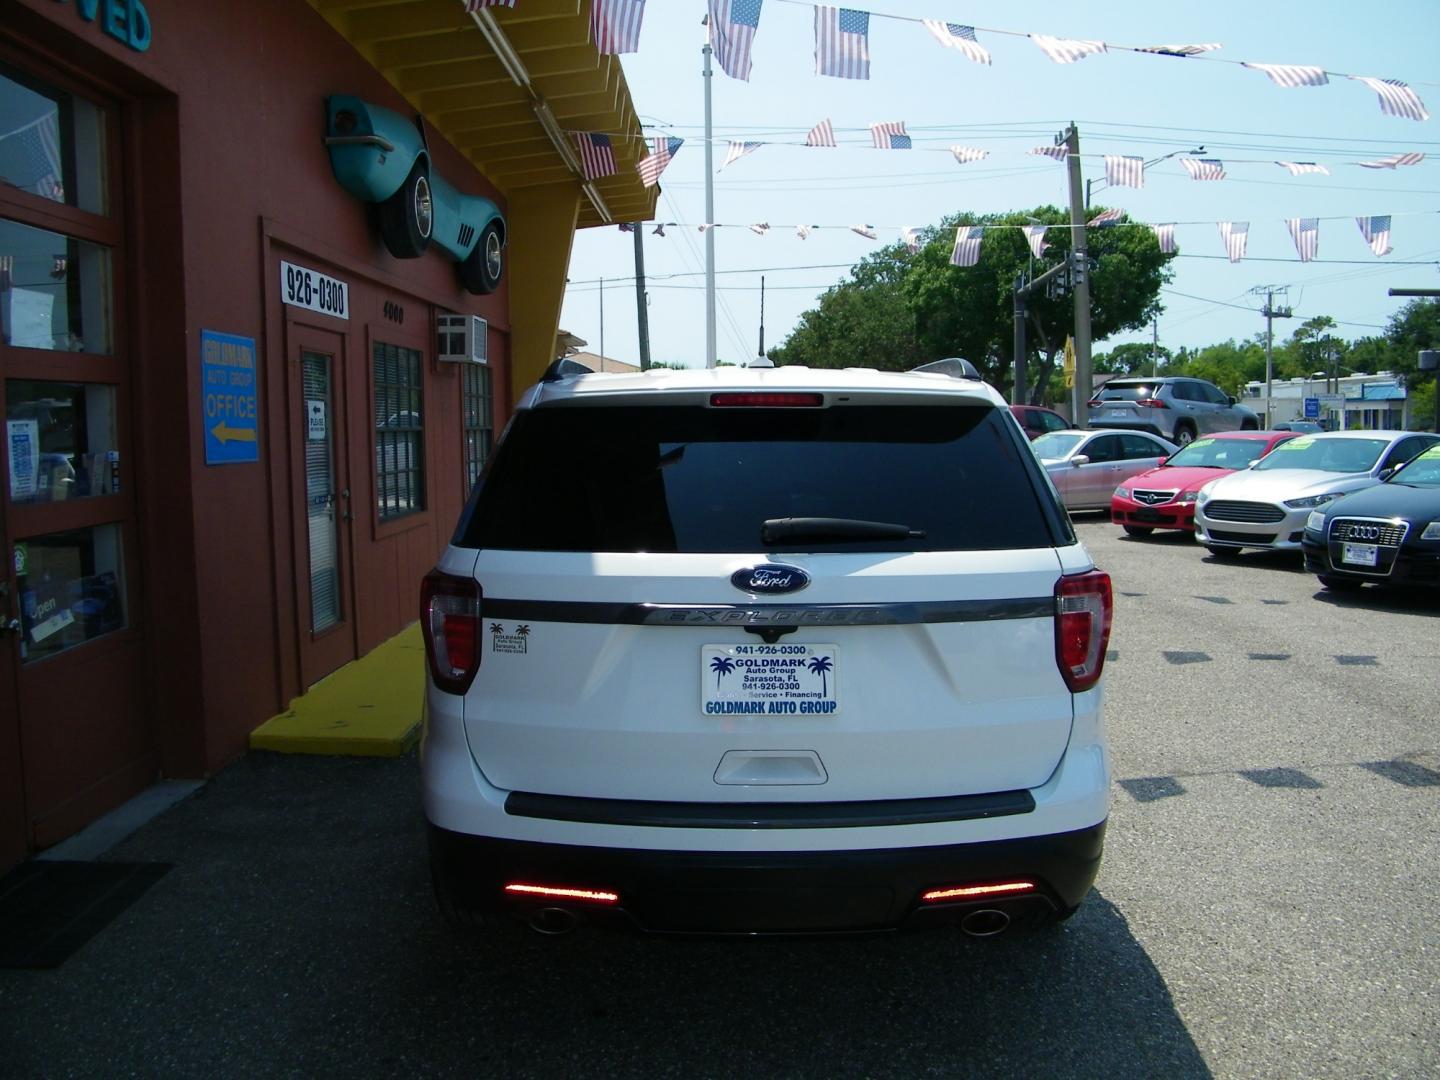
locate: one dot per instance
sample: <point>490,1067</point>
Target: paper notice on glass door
<point>23,437</point>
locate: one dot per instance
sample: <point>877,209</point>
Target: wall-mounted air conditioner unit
<point>461,339</point>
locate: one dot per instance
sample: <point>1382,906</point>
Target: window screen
<point>479,420</point>
<point>399,432</point>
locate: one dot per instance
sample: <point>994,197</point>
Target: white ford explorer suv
<point>764,650</point>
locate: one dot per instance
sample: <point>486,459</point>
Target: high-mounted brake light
<point>557,892</point>
<point>767,400</point>
<point>977,892</point>
<point>450,619</point>
<point>1084,607</point>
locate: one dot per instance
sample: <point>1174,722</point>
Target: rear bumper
<point>772,892</point>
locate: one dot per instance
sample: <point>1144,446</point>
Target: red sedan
<point>1164,497</point>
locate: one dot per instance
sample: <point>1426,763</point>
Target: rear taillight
<point>1083,609</point>
<point>1152,403</point>
<point>450,620</point>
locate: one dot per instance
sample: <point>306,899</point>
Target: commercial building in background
<point>271,275</point>
<point>1370,402</point>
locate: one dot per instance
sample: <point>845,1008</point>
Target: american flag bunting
<point>38,149</point>
<point>1066,50</point>
<point>1125,171</point>
<point>659,229</point>
<point>956,36</point>
<point>704,228</point>
<point>1165,237</point>
<point>1300,168</point>
<point>867,231</point>
<point>802,231</point>
<point>890,136</point>
<point>733,24</point>
<point>1390,162</point>
<point>1180,50</point>
<point>1376,231</point>
<point>472,6</point>
<point>1396,97</point>
<point>1204,168</point>
<point>1105,217</point>
<point>650,169</point>
<point>910,237</point>
<point>1055,153</point>
<point>1035,236</point>
<point>597,156</point>
<point>1234,233</point>
<point>822,134</point>
<point>740,149</point>
<point>1290,75</point>
<point>964,154</point>
<point>967,245</point>
<point>626,226</point>
<point>615,25</point>
<point>842,42</point>
<point>761,229</point>
<point>1306,234</point>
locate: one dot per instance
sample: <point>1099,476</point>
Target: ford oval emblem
<point>770,578</point>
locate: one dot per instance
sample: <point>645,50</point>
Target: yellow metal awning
<point>507,88</point>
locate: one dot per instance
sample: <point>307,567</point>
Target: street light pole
<point>1100,182</point>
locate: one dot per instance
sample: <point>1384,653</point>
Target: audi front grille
<point>1364,531</point>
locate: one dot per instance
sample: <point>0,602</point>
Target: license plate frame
<point>1360,554</point>
<point>784,679</point>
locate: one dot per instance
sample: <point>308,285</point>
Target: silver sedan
<point>1087,466</point>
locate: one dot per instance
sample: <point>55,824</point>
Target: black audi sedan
<point>1388,534</point>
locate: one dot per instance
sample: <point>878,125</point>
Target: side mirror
<point>1080,459</point>
<point>1387,472</point>
<point>1232,401</point>
<point>1252,464</point>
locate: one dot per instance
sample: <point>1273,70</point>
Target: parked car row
<point>1361,505</point>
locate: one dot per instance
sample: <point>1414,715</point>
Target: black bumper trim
<point>771,892</point>
<point>762,815</point>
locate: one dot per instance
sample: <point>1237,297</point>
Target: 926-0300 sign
<point>315,291</point>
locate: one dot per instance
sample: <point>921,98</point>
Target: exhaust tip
<point>987,922</point>
<point>553,921</point>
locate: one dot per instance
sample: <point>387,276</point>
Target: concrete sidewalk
<point>370,707</point>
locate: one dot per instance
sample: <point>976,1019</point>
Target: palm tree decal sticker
<point>523,631</point>
<point>819,665</point>
<point>721,665</point>
<point>497,628</point>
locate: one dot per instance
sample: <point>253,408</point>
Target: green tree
<point>1132,358</point>
<point>900,308</point>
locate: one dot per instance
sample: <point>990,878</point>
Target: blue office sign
<point>1312,408</point>
<point>229,398</point>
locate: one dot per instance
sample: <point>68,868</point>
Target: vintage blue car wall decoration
<point>381,157</point>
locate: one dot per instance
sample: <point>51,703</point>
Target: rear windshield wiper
<point>779,530</point>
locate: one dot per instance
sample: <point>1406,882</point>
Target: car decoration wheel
<point>1184,435</point>
<point>1138,530</point>
<point>408,217</point>
<point>1339,584</point>
<point>480,271</point>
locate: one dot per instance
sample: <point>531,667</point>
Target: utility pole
<point>642,315</point>
<point>1155,347</point>
<point>602,323</point>
<point>1065,275</point>
<point>1271,313</point>
<point>1081,279</point>
<point>709,215</point>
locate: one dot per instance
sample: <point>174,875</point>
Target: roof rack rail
<point>564,368</point>
<point>954,366</point>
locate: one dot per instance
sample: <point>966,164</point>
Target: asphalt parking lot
<point>1267,907</point>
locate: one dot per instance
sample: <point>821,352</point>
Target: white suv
<point>759,650</point>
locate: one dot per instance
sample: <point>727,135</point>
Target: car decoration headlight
<point>1187,497</point>
<point>1316,521</point>
<point>1432,531</point>
<point>1122,493</point>
<point>1311,500</point>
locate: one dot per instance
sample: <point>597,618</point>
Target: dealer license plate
<point>1359,554</point>
<point>1116,412</point>
<point>771,680</point>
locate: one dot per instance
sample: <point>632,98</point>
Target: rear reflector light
<point>555,892</point>
<point>977,892</point>
<point>1084,607</point>
<point>450,619</point>
<point>768,400</point>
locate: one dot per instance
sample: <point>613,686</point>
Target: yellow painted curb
<point>370,707</point>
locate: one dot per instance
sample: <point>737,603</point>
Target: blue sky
<point>1122,102</point>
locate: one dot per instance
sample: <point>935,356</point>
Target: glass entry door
<point>325,570</point>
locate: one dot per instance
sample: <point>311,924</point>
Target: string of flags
<point>842,46</point>
<point>1234,235</point>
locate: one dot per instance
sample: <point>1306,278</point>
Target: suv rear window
<point>693,479</point>
<point>1128,391</point>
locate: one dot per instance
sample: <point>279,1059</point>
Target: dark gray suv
<point>1175,408</point>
